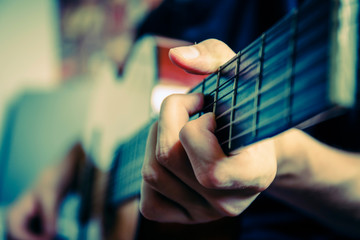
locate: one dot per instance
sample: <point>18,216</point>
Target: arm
<point>34,214</point>
<point>188,179</point>
<point>319,179</point>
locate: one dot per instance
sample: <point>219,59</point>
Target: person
<point>277,170</point>
<point>187,178</point>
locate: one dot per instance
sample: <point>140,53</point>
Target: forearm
<point>319,179</point>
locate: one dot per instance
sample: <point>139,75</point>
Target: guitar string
<point>253,63</point>
<point>266,122</point>
<point>244,71</point>
<point>274,83</point>
<point>288,73</point>
<point>137,177</point>
<point>268,104</point>
<point>253,96</point>
<point>273,35</point>
<point>249,48</point>
<point>269,121</point>
<point>273,101</point>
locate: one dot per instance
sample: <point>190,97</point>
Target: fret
<point>247,76</point>
<point>210,83</point>
<point>258,86</point>
<point>197,89</point>
<point>216,91</point>
<point>235,84</point>
<point>226,98</point>
<point>125,173</point>
<point>228,71</point>
<point>224,105</point>
<point>249,60</point>
<point>203,92</point>
<point>226,88</point>
<point>292,53</point>
<point>274,89</point>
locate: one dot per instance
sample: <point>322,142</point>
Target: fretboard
<point>284,78</point>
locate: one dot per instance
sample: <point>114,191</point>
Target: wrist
<point>305,162</point>
<point>291,156</point>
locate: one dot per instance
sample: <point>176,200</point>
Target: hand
<point>187,177</point>
<point>33,216</point>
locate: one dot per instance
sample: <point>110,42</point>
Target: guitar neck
<point>293,73</point>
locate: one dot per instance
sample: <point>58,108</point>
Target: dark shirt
<point>235,22</point>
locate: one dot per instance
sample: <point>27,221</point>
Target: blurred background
<point>51,53</point>
<point>82,71</point>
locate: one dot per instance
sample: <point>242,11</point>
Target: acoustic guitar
<point>302,71</point>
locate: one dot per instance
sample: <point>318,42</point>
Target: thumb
<point>202,58</point>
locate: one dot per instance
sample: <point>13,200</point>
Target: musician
<point>203,184</point>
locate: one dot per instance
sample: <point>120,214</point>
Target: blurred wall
<point>29,48</point>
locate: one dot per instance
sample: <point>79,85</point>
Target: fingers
<point>251,169</point>
<point>202,58</point>
<point>158,183</point>
<point>175,112</point>
<point>169,180</point>
<point>203,157</point>
<point>20,216</point>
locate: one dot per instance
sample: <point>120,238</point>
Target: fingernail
<point>189,52</point>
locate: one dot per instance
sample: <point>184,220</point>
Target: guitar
<point>299,73</point>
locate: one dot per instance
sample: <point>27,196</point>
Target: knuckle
<point>186,130</point>
<point>163,156</point>
<point>170,100</point>
<point>208,181</point>
<point>213,178</point>
<point>150,175</point>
